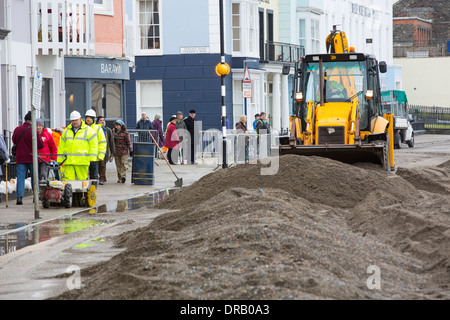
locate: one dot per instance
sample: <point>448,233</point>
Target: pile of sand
<point>310,231</point>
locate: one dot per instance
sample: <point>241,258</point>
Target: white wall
<point>361,20</point>
<point>426,81</point>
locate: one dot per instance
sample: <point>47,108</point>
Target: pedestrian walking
<point>23,140</point>
<point>110,149</point>
<point>192,139</point>
<point>144,123</point>
<point>102,144</point>
<point>123,147</point>
<point>79,143</point>
<point>48,153</point>
<point>181,132</point>
<point>172,141</point>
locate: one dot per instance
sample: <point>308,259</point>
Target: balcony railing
<point>63,27</point>
<point>282,52</point>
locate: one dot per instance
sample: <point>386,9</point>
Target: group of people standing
<point>84,148</point>
<point>180,138</point>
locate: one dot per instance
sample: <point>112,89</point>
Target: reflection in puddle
<point>136,203</point>
<point>35,234</point>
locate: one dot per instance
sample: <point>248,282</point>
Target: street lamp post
<point>223,69</point>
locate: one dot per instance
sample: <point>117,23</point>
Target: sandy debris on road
<point>310,231</point>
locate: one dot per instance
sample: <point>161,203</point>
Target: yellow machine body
<point>339,113</point>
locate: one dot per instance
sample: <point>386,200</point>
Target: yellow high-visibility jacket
<point>101,153</point>
<point>80,148</point>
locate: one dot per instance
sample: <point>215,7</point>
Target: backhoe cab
<point>337,106</point>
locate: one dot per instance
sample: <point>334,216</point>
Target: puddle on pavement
<point>135,203</point>
<point>37,233</point>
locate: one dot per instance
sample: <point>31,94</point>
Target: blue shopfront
<point>97,83</point>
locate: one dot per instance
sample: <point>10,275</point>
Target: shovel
<point>179,181</point>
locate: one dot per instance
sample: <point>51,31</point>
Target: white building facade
<point>41,33</point>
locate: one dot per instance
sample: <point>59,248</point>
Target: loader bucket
<point>369,153</point>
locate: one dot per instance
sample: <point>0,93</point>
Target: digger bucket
<point>368,153</point>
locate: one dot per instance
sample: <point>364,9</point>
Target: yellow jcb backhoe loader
<point>338,110</point>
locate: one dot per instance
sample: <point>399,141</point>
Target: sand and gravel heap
<point>311,231</point>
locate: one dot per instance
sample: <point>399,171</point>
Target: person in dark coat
<point>144,123</point>
<point>22,138</point>
<point>193,136</point>
<point>122,147</point>
<point>110,149</point>
<point>157,126</point>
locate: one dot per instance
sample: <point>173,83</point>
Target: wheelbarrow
<point>67,193</point>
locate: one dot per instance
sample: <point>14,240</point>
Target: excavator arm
<point>336,42</point>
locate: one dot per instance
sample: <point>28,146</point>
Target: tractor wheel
<point>67,196</point>
<point>411,142</point>
<point>398,140</point>
<point>92,196</point>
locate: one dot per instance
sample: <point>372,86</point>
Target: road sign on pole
<point>37,87</point>
<point>246,76</point>
<point>246,84</point>
<point>246,90</point>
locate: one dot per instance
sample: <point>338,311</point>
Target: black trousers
<point>93,170</point>
<point>172,156</point>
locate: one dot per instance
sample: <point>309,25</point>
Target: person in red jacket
<point>172,141</point>
<point>48,153</point>
<point>22,138</point>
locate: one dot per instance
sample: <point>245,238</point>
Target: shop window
<point>75,98</point>
<point>106,99</point>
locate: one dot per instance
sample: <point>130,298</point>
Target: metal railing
<point>435,119</point>
<point>141,135</point>
<point>421,48</point>
<point>282,52</point>
<point>241,147</point>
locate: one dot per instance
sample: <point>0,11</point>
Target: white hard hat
<point>90,113</point>
<point>75,115</point>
